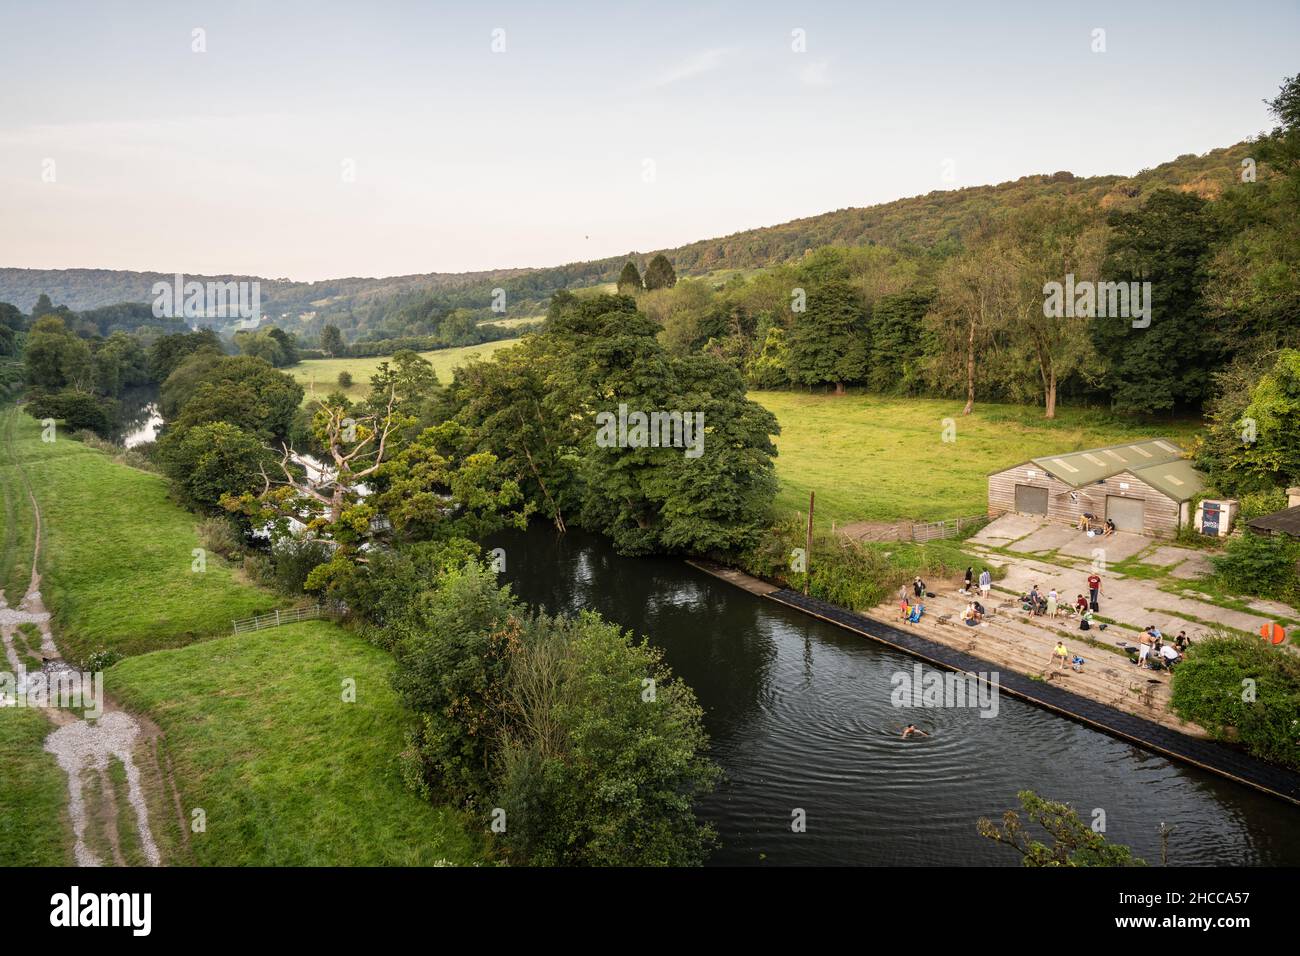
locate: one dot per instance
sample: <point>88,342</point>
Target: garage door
<point>1127,513</point>
<point>1031,500</point>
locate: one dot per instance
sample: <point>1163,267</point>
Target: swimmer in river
<point>912,729</point>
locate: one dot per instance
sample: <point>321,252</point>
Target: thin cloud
<point>704,62</point>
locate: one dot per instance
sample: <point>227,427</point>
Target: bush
<point>583,737</point>
<point>345,379</point>
<point>220,536</point>
<point>1242,688</point>
<point>260,569</point>
<point>851,574</point>
<point>293,559</point>
<point>1260,566</point>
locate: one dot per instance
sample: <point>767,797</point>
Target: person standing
<point>970,574</point>
<point>986,583</point>
<point>918,586</point>
<point>1051,603</point>
<point>1094,590</point>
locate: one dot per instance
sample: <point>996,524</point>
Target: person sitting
<point>1081,604</point>
<point>1085,621</point>
<point>1061,652</point>
<point>1182,642</point>
<point>970,616</point>
<point>979,611</point>
<point>1170,655</point>
<point>1076,664</point>
<point>1110,528</point>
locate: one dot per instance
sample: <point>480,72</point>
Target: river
<point>800,717</point>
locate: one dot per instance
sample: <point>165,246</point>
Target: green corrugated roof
<point>1178,479</point>
<point>1079,468</point>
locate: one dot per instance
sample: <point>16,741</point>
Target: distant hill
<point>918,221</point>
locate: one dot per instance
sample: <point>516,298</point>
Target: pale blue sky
<point>232,160</point>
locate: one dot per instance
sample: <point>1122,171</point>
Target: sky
<point>318,140</point>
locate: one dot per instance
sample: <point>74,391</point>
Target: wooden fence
<point>932,530</point>
<point>291,615</point>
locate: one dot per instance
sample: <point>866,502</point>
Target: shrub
<point>554,721</point>
<point>1260,565</point>
<point>293,559</point>
<point>260,569</point>
<point>1241,687</point>
<point>345,379</point>
<point>220,536</point>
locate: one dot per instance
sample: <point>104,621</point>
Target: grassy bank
<point>874,458</point>
<point>17,527</point>
<point>287,773</point>
<point>116,555</point>
<point>323,374</point>
<point>34,829</point>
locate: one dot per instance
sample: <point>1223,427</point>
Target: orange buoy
<point>1273,632</point>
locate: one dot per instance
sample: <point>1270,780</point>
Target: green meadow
<point>34,830</point>
<point>874,458</point>
<point>117,553</point>
<point>286,772</point>
<point>322,375</point>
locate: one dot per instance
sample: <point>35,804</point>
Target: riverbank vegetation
<point>1243,689</point>
<point>1074,842</point>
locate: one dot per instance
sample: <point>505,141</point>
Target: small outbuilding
<point>1286,521</point>
<point>1145,487</point>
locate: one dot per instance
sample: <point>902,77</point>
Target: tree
<point>828,342</point>
<point>1168,363</point>
<point>345,379</point>
<point>1074,843</point>
<point>331,341</point>
<point>213,460</point>
<point>242,390</point>
<point>42,307</point>
<point>971,305</point>
<point>1252,442</point>
<point>437,485</point>
<point>591,772</point>
<point>170,351</point>
<point>57,359</point>
<point>629,280</point>
<point>659,274</point>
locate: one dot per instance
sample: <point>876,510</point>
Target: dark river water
<point>800,717</point>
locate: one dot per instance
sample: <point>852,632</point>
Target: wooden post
<point>807,551</point>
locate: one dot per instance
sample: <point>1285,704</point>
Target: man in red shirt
<point>1094,589</point>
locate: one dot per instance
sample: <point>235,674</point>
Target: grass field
<point>873,458</point>
<point>323,374</point>
<point>16,524</point>
<point>287,773</point>
<point>34,830</point>
<point>116,556</point>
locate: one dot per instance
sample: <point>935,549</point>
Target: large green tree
<point>1167,364</point>
<point>660,274</point>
